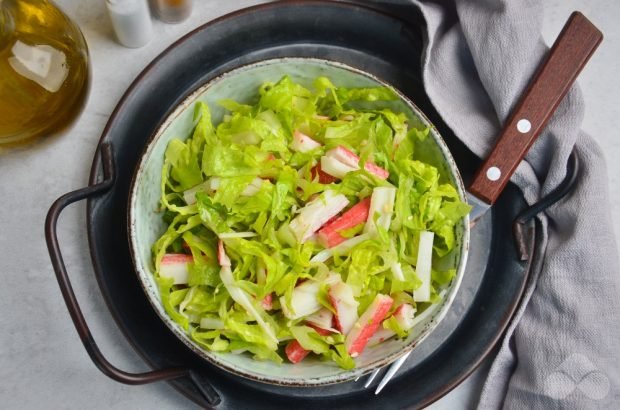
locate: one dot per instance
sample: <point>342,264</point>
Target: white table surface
<point>42,361</point>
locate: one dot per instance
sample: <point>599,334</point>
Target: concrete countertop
<point>42,361</point>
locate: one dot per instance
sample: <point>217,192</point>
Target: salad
<point>303,224</point>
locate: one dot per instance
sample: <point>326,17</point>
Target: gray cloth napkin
<point>563,348</point>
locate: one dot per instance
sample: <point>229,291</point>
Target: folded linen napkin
<point>562,349</point>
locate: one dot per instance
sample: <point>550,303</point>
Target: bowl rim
<point>212,357</point>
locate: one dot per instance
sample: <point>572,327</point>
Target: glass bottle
<point>44,70</point>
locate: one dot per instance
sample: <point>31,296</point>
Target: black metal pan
<point>497,270</point>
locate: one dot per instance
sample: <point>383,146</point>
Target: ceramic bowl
<point>146,225</point>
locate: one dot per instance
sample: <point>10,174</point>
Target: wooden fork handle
<point>570,53</point>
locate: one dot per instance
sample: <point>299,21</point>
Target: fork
<point>388,375</point>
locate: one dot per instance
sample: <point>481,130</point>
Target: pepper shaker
<point>172,11</point>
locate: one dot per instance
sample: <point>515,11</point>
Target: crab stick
<point>335,168</point>
<point>341,297</point>
<point>324,178</point>
<point>367,324</point>
<point>380,336</point>
<point>303,143</point>
<point>174,265</point>
<point>267,302</point>
<point>407,320</point>
<point>404,315</point>
<point>349,159</point>
<point>322,319</point>
<point>304,300</point>
<point>295,352</point>
<point>316,213</point>
<point>329,235</point>
<point>222,257</point>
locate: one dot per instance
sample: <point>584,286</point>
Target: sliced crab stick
<point>316,213</point>
<point>303,143</point>
<point>267,302</point>
<point>345,305</point>
<point>324,177</point>
<point>351,160</point>
<point>295,352</point>
<point>322,319</point>
<point>174,265</point>
<point>329,235</point>
<point>380,336</point>
<point>335,168</point>
<point>304,300</point>
<point>367,324</point>
<point>405,317</point>
<point>222,257</point>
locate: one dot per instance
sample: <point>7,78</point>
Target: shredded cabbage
<point>219,165</point>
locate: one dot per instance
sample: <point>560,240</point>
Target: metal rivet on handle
<point>524,126</point>
<point>494,173</point>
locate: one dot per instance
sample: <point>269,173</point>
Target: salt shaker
<point>131,20</point>
<point>172,11</point>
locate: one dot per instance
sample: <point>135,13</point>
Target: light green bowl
<point>146,225</point>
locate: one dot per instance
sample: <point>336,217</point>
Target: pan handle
<point>51,237</point>
<point>521,233</point>
<point>570,53</point>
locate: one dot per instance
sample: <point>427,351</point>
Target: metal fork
<point>388,375</point>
